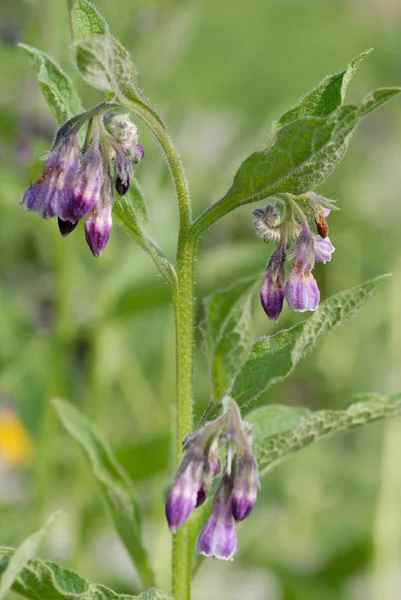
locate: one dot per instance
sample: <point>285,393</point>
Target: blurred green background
<point>100,332</point>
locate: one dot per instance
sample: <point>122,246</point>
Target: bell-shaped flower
<point>218,538</point>
<point>245,485</point>
<point>301,291</point>
<point>51,195</point>
<point>99,222</point>
<point>86,191</point>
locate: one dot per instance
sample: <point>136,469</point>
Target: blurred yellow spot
<point>16,448</point>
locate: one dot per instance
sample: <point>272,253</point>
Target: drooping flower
<point>245,485</point>
<point>183,498</point>
<point>86,191</point>
<point>301,291</point>
<point>51,195</point>
<point>218,538</point>
<point>272,292</point>
<point>99,221</point>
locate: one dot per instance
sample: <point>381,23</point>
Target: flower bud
<point>187,492</point>
<point>99,222</point>
<point>219,537</point>
<point>302,292</point>
<point>245,485</point>
<point>272,292</point>
<point>265,223</point>
<point>323,249</point>
<point>122,166</point>
<point>50,196</point>
<point>124,131</point>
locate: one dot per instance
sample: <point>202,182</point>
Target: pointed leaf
<point>56,86</point>
<point>274,357</point>
<point>303,428</point>
<point>328,95</point>
<point>86,21</point>
<point>301,156</point>
<point>21,557</point>
<point>227,333</point>
<point>130,212</point>
<point>115,485</point>
<point>46,580</point>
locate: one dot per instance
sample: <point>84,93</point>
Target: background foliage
<point>100,333</point>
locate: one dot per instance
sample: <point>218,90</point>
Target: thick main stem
<point>184,299</point>
<point>184,322</point>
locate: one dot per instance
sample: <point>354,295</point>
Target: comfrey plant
<point>89,175</point>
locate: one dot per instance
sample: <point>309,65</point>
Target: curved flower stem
<point>183,296</point>
<point>173,159</point>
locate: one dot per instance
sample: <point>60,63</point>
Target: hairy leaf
<point>86,21</point>
<point>328,95</point>
<point>303,428</point>
<point>227,333</point>
<point>56,86</point>
<point>115,485</point>
<point>102,61</point>
<point>130,212</point>
<point>274,357</point>
<point>20,558</point>
<point>300,157</point>
<point>46,580</point>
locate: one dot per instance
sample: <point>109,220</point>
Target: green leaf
<point>86,21</point>
<point>102,61</point>
<point>274,357</point>
<point>115,485</point>
<point>130,212</point>
<point>303,428</point>
<point>56,87</point>
<point>227,333</point>
<point>21,557</point>
<point>46,580</point>
<point>301,156</point>
<point>328,95</point>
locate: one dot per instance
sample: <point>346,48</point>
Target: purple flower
<point>323,249</point>
<point>219,537</point>
<point>97,229</point>
<point>88,184</point>
<point>182,499</point>
<point>302,292</point>
<point>50,196</point>
<point>245,486</point>
<point>272,292</point>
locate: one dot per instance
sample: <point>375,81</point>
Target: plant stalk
<point>184,300</point>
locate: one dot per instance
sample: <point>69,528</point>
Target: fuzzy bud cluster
<point>76,183</point>
<point>300,289</point>
<point>236,492</point>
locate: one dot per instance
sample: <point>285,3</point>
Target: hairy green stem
<point>183,295</point>
<point>184,321</point>
<point>173,159</point>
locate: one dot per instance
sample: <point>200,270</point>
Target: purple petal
<point>323,249</point>
<point>302,292</point>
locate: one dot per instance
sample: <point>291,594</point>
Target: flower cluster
<point>76,182</point>
<point>300,290</point>
<point>236,491</point>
